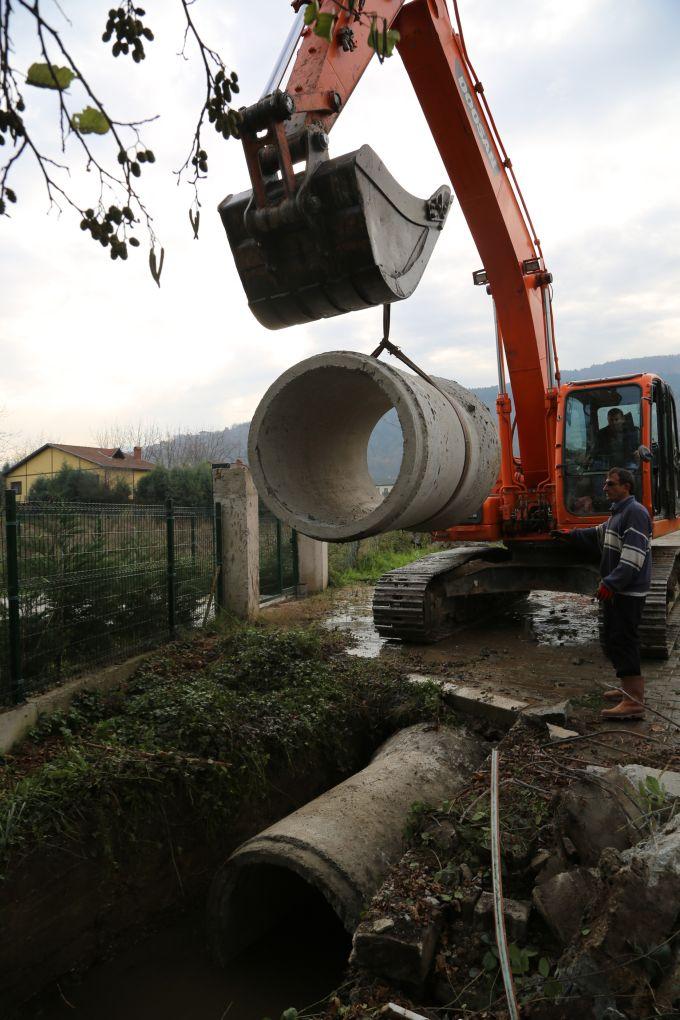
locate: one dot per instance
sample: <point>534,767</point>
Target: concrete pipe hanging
<point>308,445</point>
<point>341,844</point>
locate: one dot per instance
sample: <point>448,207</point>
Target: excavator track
<point>660,623</point>
<point>409,603</point>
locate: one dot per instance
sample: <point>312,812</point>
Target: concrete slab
<point>495,708</point>
<point>557,714</point>
<point>16,722</point>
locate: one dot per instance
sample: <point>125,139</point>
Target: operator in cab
<point>618,441</point>
<point>623,542</point>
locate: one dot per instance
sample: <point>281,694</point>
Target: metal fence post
<point>296,560</point>
<point>14,617</point>
<point>219,598</point>
<point>279,555</point>
<point>170,534</point>
<point>193,536</point>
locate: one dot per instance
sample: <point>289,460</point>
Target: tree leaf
<point>383,44</point>
<point>311,12</point>
<point>90,122</point>
<point>325,24</point>
<point>43,76</point>
<point>489,961</point>
<point>195,221</point>
<point>155,266</point>
<point>543,967</point>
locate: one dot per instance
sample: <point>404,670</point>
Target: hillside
<point>384,448</point>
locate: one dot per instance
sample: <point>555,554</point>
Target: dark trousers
<point>622,615</point>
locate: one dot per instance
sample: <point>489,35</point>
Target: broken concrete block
<point>562,900</point>
<point>515,912</point>
<point>555,864</point>
<point>637,774</point>
<point>468,901</point>
<point>402,953</point>
<point>598,815</point>
<point>441,835</point>
<point>494,708</point>
<point>638,908</point>
<point>558,714</point>
<point>559,733</point>
<point>382,924</point>
<point>484,704</point>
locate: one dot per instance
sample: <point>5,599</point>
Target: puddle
<point>547,618</point>
<point>559,618</point>
<point>354,616</point>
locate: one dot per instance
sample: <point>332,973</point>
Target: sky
<point>586,96</point>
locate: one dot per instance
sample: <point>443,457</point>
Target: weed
<point>200,728</point>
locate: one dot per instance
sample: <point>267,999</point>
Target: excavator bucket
<point>349,238</point>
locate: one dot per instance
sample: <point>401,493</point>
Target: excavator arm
<point>287,128</point>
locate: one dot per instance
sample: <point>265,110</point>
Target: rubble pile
<point>591,893</point>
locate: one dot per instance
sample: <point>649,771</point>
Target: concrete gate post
<point>240,581</point>
<point>312,563</point>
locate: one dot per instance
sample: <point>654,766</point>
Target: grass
<point>367,560</point>
<point>195,736</point>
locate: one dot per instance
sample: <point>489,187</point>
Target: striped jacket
<point>624,544</point>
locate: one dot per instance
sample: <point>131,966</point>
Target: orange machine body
<point>530,498</point>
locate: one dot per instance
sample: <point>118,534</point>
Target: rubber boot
<point>628,708</point>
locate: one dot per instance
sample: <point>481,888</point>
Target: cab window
<point>601,432</point>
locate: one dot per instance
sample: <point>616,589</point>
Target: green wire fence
<point>84,584</point>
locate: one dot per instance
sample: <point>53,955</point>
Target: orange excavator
<point>340,234</point>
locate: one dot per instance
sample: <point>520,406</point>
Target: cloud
<point>585,95</point>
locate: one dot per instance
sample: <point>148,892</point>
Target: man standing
<point>626,570</point>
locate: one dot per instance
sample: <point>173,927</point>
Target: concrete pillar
<point>240,582</point>
<point>312,563</point>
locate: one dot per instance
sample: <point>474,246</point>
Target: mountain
<point>385,445</point>
<point>384,449</point>
<point>665,365</point>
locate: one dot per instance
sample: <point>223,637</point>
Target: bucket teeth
<point>350,238</point>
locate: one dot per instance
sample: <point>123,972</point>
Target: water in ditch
<point>170,975</point>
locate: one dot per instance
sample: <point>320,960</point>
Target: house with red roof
<point>109,464</point>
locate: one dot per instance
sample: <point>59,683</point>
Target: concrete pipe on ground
<point>308,446</point>
<point>340,845</point>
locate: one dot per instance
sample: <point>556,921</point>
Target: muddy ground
<point>543,649</point>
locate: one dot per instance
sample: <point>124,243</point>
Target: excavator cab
<point>629,423</point>
<point>338,236</point>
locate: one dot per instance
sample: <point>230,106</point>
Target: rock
<point>562,900</point>
<point>382,924</point>
<point>593,816</point>
<point>558,714</point>
<point>559,733</point>
<point>515,912</point>
<point>638,910</point>
<point>441,835</point>
<point>539,859</point>
<point>468,901</point>
<point>466,872</point>
<point>555,864</point>
<point>401,956</point>
<point>637,774</point>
